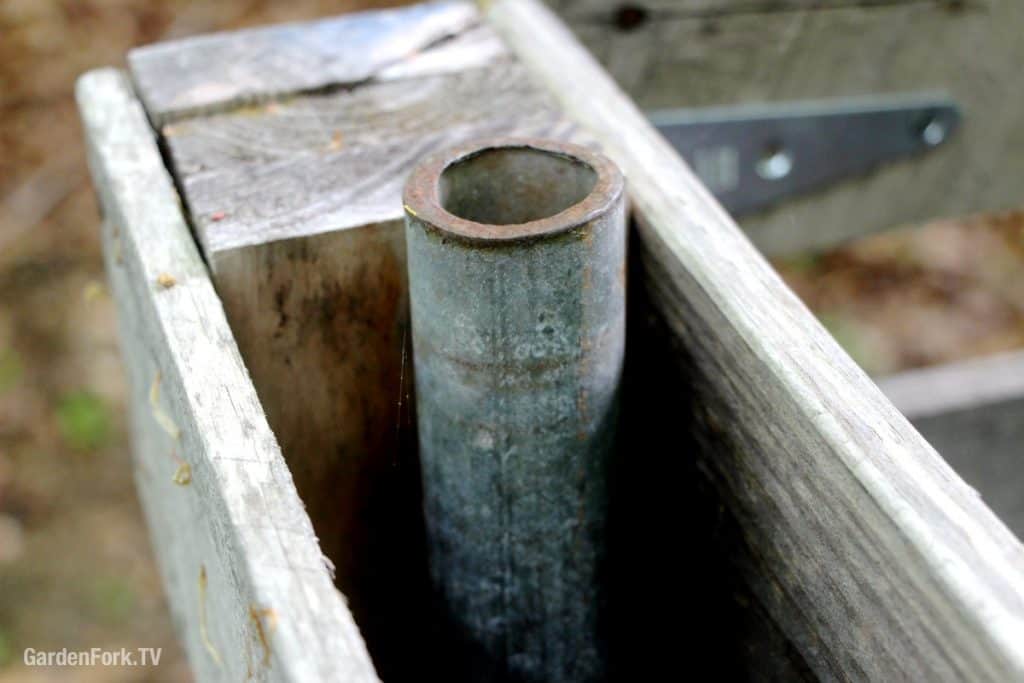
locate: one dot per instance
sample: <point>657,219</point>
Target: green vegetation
<point>83,421</point>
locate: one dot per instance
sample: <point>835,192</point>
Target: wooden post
<point>517,275</point>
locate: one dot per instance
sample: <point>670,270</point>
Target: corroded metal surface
<point>516,253</point>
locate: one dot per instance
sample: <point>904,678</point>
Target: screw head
<point>933,133</point>
<point>775,165</point>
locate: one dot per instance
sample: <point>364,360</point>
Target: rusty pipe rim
<point>422,195</point>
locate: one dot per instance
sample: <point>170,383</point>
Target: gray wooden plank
<point>321,163</point>
<point>873,557</point>
<point>837,50</point>
<point>248,588</point>
<point>357,119</point>
<point>217,71</point>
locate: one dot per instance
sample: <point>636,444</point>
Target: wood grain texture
<point>222,70</point>
<point>872,556</point>
<point>309,260</point>
<point>819,50</point>
<point>322,163</point>
<point>972,412</point>
<point>297,206</point>
<point>322,323</point>
<point>248,587</point>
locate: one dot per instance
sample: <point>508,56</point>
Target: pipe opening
<point>514,185</point>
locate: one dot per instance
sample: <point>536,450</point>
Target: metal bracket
<point>752,157</point>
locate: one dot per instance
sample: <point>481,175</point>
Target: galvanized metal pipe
<point>516,253</point>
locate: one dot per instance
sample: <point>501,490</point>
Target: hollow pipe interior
<point>514,185</point>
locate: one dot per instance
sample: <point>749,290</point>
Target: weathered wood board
<point>697,53</point>
<point>324,163</point>
<point>216,71</point>
<point>873,558</point>
<point>249,590</point>
<point>296,202</point>
<point>862,555</point>
<point>973,413</point>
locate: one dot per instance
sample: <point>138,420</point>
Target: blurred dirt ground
<point>920,295</point>
<point>76,570</point>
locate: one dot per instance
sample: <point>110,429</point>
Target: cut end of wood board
<point>223,70</point>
